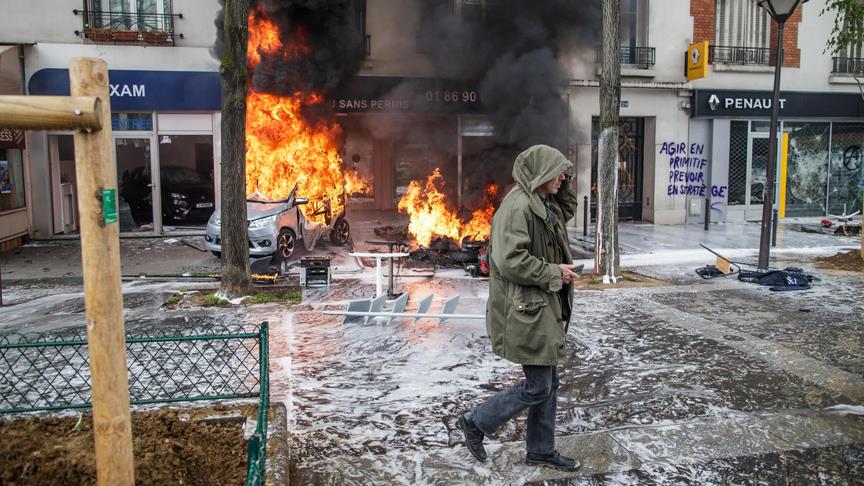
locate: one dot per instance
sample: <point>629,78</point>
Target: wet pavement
<point>694,382</point>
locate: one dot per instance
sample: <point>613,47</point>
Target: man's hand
<point>567,273</point>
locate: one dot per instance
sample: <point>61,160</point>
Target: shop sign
<point>394,94</point>
<point>132,122</point>
<point>142,90</point>
<point>697,60</point>
<point>722,103</point>
<point>12,139</point>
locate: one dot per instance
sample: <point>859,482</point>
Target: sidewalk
<point>641,244</point>
<point>689,382</point>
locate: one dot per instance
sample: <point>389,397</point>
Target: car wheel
<point>286,243</point>
<point>341,232</point>
<point>217,254</point>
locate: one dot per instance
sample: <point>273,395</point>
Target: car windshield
<point>257,197</point>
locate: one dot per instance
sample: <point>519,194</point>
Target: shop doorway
<point>188,195</point>
<point>631,135</point>
<point>138,200</point>
<point>757,170</point>
<point>748,169</point>
<point>64,184</point>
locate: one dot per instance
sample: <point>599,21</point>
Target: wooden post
<point>96,172</point>
<point>50,112</point>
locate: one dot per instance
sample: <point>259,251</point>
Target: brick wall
<point>703,20</point>
<point>703,12</point>
<point>791,53</point>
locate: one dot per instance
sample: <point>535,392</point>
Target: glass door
<point>186,180</point>
<point>757,165</point>
<point>138,197</point>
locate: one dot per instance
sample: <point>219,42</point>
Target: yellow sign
<point>697,60</point>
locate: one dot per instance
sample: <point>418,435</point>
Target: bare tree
<point>606,257</point>
<point>233,73</point>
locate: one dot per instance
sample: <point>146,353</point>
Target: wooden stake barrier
<point>51,112</point>
<point>88,109</point>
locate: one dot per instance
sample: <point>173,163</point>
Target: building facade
<point>165,104</point>
<point>411,107</point>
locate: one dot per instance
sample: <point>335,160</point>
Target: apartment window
<point>742,34</point>
<point>850,60</point>
<point>742,23</point>
<point>147,21</point>
<point>631,31</point>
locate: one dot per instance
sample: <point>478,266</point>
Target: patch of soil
<point>189,446</point>
<point>850,261</point>
<point>629,280</point>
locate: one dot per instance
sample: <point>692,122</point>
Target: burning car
<point>275,227</point>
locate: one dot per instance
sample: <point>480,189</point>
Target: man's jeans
<point>539,394</point>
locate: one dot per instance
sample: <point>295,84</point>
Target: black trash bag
<point>779,280</point>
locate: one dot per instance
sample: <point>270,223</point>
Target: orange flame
<point>282,148</point>
<point>430,217</point>
<point>356,183</point>
<point>480,225</point>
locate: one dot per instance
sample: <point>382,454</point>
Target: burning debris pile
<point>430,216</point>
<point>444,238</point>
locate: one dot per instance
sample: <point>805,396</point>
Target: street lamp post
<point>780,11</point>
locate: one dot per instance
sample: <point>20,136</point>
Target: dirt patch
<point>849,261</point>
<point>286,294</point>
<point>629,280</point>
<point>189,446</point>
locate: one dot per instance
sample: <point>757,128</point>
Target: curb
<point>278,454</point>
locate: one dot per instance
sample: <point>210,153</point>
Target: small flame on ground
<point>431,217</point>
<point>480,226</point>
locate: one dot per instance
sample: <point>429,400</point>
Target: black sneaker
<point>473,438</point>
<point>553,460</point>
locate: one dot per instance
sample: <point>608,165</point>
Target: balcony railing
<point>643,57</point>
<point>123,27</point>
<point>848,65</point>
<point>748,56</point>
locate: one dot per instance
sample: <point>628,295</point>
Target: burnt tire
<point>286,244</point>
<point>340,234</point>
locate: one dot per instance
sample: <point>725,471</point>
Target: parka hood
<point>537,165</point>
<point>534,167</point>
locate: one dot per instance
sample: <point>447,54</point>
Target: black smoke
<point>330,29</point>
<point>512,50</point>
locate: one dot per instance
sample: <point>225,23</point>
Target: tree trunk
<point>606,258</point>
<point>235,249</point>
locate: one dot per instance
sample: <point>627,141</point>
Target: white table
<point>379,277</point>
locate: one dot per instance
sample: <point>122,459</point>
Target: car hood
<point>257,210</point>
<point>261,210</point>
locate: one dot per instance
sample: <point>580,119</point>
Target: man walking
<point>530,301</point>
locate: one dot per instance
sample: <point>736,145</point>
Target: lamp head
<point>780,10</point>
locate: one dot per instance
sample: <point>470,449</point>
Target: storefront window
<point>807,168</point>
<point>846,170</point>
<point>11,180</point>
<point>186,180</point>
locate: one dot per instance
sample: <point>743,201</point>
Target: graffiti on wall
<point>687,172</point>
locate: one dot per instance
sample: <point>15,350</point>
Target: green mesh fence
<point>49,371</point>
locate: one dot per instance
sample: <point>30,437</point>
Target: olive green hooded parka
<point>529,307</point>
